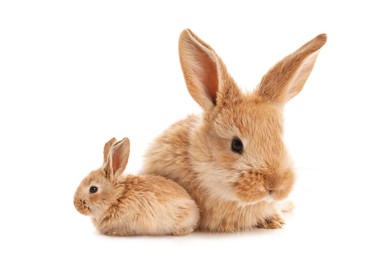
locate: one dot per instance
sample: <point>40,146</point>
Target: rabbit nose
<point>78,203</point>
<point>81,206</point>
<point>270,183</point>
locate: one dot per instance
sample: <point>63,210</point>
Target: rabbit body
<point>124,205</point>
<point>205,178</point>
<point>232,159</point>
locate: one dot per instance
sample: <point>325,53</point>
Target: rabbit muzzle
<point>254,186</point>
<point>82,207</point>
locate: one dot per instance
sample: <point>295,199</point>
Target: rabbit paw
<point>271,223</point>
<point>183,231</point>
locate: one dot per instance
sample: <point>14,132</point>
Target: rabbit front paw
<point>272,222</point>
<point>183,231</point>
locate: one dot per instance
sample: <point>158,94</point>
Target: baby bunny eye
<point>93,189</point>
<point>237,145</point>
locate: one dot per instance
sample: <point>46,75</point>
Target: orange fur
<point>134,205</point>
<point>234,191</point>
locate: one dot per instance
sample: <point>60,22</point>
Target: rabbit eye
<point>93,189</point>
<point>237,145</point>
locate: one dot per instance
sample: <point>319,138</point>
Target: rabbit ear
<point>107,148</point>
<point>287,78</point>
<point>118,157</point>
<point>204,72</point>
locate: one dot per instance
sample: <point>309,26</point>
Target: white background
<point>73,74</point>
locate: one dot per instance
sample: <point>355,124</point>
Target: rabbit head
<point>237,146</point>
<point>102,187</point>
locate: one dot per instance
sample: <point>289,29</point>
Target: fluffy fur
<point>126,205</point>
<point>234,191</point>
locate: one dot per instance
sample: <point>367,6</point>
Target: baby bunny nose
<point>81,206</point>
<point>78,203</point>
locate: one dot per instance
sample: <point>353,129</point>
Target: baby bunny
<point>232,159</point>
<point>125,205</point>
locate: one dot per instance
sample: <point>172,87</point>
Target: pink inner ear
<point>206,72</point>
<point>115,163</point>
<point>119,161</point>
<point>209,77</point>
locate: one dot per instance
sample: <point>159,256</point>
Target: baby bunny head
<point>102,187</point>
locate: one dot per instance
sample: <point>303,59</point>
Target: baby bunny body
<point>232,159</point>
<point>124,205</point>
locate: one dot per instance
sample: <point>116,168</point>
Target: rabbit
<point>231,159</point>
<point>126,205</point>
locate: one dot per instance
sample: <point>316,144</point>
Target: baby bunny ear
<point>107,148</point>
<point>287,78</point>
<point>204,72</point>
<point>118,157</point>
